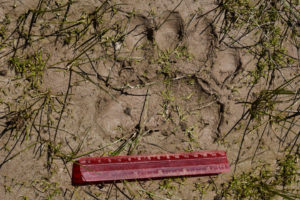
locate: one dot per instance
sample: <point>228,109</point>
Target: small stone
<point>165,133</point>
<point>3,72</point>
<point>127,111</point>
<point>183,126</point>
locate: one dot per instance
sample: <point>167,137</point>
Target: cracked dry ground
<point>111,70</point>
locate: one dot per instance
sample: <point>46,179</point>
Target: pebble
<point>3,72</point>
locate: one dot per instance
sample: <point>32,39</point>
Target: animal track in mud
<point>140,31</point>
<point>170,31</point>
<point>227,64</point>
<point>190,110</point>
<point>199,38</point>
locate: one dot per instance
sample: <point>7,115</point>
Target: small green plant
<point>47,188</point>
<point>181,52</point>
<point>267,15</point>
<point>31,68</point>
<point>2,32</point>
<point>168,57</point>
<point>190,132</point>
<point>168,186</point>
<point>3,27</point>
<point>201,188</point>
<point>265,183</point>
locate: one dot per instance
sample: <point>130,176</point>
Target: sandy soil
<point>191,98</point>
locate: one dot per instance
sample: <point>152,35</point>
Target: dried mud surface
<point>176,102</point>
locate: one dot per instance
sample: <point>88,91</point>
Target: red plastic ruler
<point>108,169</point>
